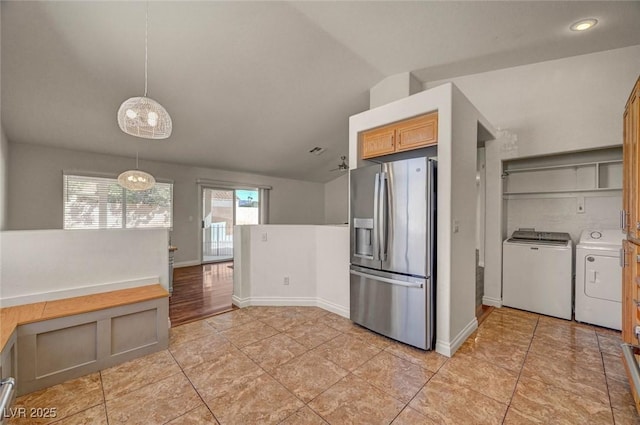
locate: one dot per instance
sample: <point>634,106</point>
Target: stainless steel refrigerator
<point>392,274</point>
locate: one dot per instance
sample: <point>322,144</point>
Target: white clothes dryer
<point>598,297</point>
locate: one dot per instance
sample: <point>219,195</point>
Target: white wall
<point>562,105</point>
<point>336,200</point>
<point>315,259</point>
<point>43,265</point>
<point>557,106</point>
<point>35,191</point>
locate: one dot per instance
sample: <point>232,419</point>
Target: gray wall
<point>35,191</point>
<point>336,200</point>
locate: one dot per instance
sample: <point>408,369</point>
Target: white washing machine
<point>599,278</point>
<point>537,271</point>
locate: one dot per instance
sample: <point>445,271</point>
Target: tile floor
<point>303,365</point>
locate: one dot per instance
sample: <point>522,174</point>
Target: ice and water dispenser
<point>363,228</point>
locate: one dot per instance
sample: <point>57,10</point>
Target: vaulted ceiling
<point>253,86</point>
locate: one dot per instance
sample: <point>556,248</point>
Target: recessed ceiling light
<point>584,24</point>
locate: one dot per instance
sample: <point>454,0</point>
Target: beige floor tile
<point>620,394</point>
<point>308,375</point>
<point>354,401</point>
<point>502,353</point>
<point>550,404</point>
<point>129,376</point>
<point>231,319</point>
<point>96,415</point>
<point>429,360</point>
<point>369,337</point>
<point>337,322</point>
<point>312,334</point>
<point>274,351</point>
<point>567,375</point>
<point>515,417</point>
<point>261,312</point>
<point>312,313</point>
<point>584,356</point>
<point>247,334</point>
<point>564,333</point>
<point>304,416</point>
<point>189,332</point>
<point>157,403</point>
<point>626,417</point>
<point>286,320</point>
<point>608,332</point>
<point>497,334</point>
<point>201,350</point>
<point>67,399</point>
<point>198,416</point>
<point>493,381</point>
<point>518,313</point>
<point>411,417</point>
<point>347,351</point>
<point>444,402</point>
<point>258,401</point>
<point>395,376</point>
<point>220,376</point>
<point>610,344</point>
<point>614,367</point>
<point>510,323</point>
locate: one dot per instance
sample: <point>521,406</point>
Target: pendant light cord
<point>146,36</point>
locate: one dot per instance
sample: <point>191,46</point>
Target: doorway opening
<point>221,210</point>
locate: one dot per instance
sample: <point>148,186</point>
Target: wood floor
<point>200,291</point>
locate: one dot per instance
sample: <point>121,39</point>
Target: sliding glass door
<point>221,210</point>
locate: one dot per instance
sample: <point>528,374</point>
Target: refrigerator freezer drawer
<point>399,307</point>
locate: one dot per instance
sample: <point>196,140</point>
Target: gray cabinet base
<point>54,351</point>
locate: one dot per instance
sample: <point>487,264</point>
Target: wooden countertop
<point>11,317</point>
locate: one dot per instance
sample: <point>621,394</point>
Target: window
<point>100,203</point>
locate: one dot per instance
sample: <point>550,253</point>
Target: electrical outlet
<point>286,280</point>
<point>264,237</point>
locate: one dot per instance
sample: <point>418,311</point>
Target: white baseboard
<point>332,307</point>
<point>449,348</point>
<point>77,292</point>
<point>186,264</point>
<point>494,302</point>
<point>291,301</point>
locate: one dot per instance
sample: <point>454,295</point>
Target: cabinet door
<point>629,295</point>
<point>417,132</point>
<point>627,174</point>
<point>380,141</point>
<point>634,142</point>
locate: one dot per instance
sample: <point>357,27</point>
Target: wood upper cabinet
<point>413,133</point>
<point>380,141</point>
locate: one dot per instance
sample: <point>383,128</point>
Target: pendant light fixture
<point>136,180</point>
<point>143,116</point>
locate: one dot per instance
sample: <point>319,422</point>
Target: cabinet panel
<point>417,132</point>
<point>634,143</point>
<point>378,142</point>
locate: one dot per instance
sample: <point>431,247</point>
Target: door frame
<point>203,184</point>
<point>202,188</point>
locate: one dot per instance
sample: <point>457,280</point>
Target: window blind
<point>100,203</point>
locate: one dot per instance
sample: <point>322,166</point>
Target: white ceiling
<point>253,86</point>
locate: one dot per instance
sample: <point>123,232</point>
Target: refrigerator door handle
<point>382,216</point>
<point>387,280</point>
<point>376,218</point>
